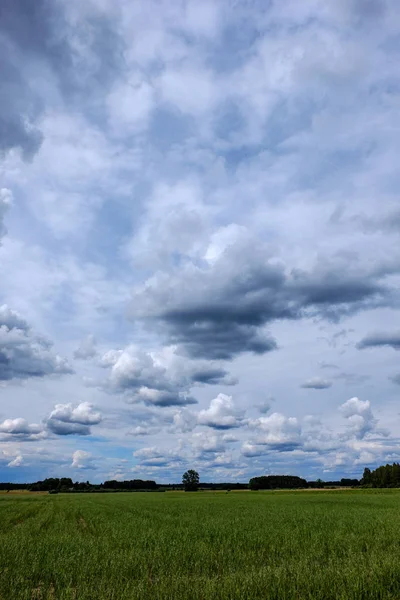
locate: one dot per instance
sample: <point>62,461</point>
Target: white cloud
<point>23,353</point>
<point>173,223</point>
<point>20,429</point>
<point>160,378</point>
<point>16,426</point>
<point>154,457</point>
<point>67,419</point>
<point>221,414</point>
<point>277,431</point>
<point>16,462</point>
<point>204,444</point>
<point>139,430</point>
<point>81,459</point>
<point>184,421</point>
<point>359,416</point>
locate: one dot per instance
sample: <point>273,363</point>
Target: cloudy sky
<point>199,238</point>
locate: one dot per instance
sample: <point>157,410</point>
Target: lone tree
<point>190,480</point>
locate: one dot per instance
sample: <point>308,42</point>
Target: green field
<point>281,545</point>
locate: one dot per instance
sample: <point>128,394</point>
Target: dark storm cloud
<point>61,428</point>
<point>163,398</point>
<point>334,290</point>
<point>316,383</point>
<point>220,311</point>
<point>207,337</point>
<point>212,376</point>
<point>38,44</point>
<point>380,339</point>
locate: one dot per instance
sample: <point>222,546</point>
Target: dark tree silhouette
<point>384,476</point>
<point>190,480</point>
<point>270,482</point>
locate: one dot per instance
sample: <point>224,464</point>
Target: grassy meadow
<point>207,545</point>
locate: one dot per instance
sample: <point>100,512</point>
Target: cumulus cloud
<point>158,378</point>
<point>206,444</point>
<point>82,460</point>
<point>87,348</point>
<point>276,432</point>
<point>67,419</point>
<point>183,421</point>
<point>316,383</point>
<point>23,353</point>
<point>250,450</point>
<point>391,339</point>
<point>230,438</point>
<point>359,416</point>
<point>135,373</point>
<point>221,414</point>
<point>154,457</point>
<point>20,429</point>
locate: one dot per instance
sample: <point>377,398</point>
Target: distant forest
<point>384,476</point>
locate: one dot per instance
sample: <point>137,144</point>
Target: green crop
<point>205,545</point>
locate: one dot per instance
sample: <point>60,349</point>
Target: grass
<point>255,545</point>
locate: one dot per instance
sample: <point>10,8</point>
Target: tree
<point>190,480</point>
<point>367,477</point>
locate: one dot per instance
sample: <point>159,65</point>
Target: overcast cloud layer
<point>199,238</point>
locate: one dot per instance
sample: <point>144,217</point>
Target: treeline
<point>382,477</point>
<point>332,484</point>
<point>65,484</point>
<point>227,486</point>
<point>133,484</point>
<point>271,482</point>
<point>14,486</point>
<point>267,482</point>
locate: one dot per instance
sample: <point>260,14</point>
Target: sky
<point>199,238</point>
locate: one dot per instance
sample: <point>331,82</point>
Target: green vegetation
<point>191,480</point>
<point>384,476</point>
<point>271,482</point>
<point>210,545</point>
